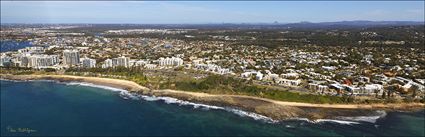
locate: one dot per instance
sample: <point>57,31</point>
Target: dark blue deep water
<point>12,45</point>
<point>41,108</point>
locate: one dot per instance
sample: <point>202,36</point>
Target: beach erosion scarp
<point>277,110</point>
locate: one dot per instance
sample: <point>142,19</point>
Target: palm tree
<point>390,91</point>
<point>414,89</point>
<point>376,93</point>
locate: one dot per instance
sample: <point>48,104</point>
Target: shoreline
<point>277,110</point>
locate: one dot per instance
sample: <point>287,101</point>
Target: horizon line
<point>275,22</point>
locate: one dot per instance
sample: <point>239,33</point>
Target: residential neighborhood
<point>335,71</point>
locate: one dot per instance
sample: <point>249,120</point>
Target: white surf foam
<point>370,119</point>
<point>42,80</point>
<point>169,100</point>
<point>95,86</point>
<point>318,121</point>
<point>2,79</point>
<point>251,114</point>
<point>149,98</point>
<point>337,121</point>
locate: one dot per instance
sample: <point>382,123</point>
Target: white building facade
<point>88,63</point>
<point>173,61</point>
<point>71,57</point>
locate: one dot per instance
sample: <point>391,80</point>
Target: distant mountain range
<point>346,24</point>
<point>302,25</point>
<point>310,25</point>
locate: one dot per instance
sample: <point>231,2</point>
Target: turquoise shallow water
<point>41,108</point>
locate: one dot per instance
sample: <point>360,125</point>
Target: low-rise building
<point>4,60</point>
<point>288,82</point>
<point>173,61</point>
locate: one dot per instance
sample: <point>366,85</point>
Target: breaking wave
<point>318,121</point>
<point>9,80</point>
<point>337,121</point>
<point>349,120</point>
<point>95,86</point>
<point>370,119</point>
<point>169,100</point>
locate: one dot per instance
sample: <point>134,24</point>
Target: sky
<point>194,12</point>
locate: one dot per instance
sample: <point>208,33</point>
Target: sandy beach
<point>275,109</point>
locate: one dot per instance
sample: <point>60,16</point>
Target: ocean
<point>12,45</point>
<point>49,108</point>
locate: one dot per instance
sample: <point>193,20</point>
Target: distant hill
<point>352,24</point>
